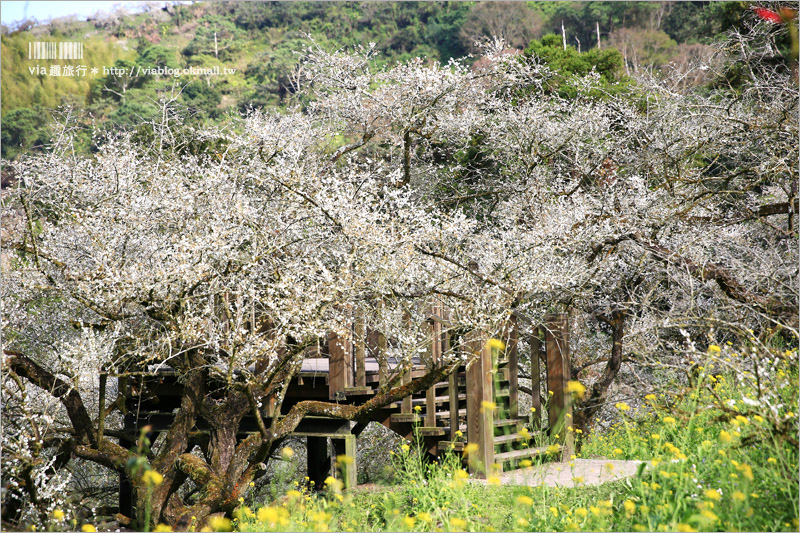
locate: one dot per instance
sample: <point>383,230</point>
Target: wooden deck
<point>446,416</point>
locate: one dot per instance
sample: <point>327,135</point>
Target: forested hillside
<point>258,42</point>
<point>274,250</point>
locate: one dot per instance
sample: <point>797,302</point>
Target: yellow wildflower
<point>493,480</point>
<point>409,521</point>
<point>471,448</point>
<point>405,447</point>
<point>553,448</point>
<point>650,397</point>
<point>747,471</point>
<point>554,510</point>
<point>162,528</point>
<point>88,528</point>
<point>581,512</point>
<point>725,437</point>
<point>618,451</point>
<point>457,524</point>
<point>622,406</point>
<point>714,349</point>
<point>685,528</point>
<point>488,406</point>
<point>772,460</point>
<point>495,344</point>
<point>629,506</point>
<point>576,387</point>
<point>739,496</point>
<point>58,514</point>
<point>669,420</point>
<point>267,515</point>
<point>711,494</point>
<point>287,453</point>
<point>524,500</point>
<point>151,477</point>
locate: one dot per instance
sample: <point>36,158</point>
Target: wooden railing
<point>348,376</point>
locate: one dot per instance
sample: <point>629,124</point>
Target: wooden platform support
<point>342,465</point>
<point>560,406</point>
<point>340,366</point>
<point>346,467</point>
<point>126,503</point>
<point>480,409</point>
<point>318,461</point>
<point>360,334</point>
<point>535,343</point>
<point>435,354</point>
<point>512,351</point>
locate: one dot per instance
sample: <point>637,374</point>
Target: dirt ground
<point>583,471</point>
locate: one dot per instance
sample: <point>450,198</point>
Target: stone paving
<point>584,471</point>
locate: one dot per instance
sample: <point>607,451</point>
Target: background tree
<point>513,22</point>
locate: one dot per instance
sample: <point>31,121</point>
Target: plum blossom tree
<point>657,216</point>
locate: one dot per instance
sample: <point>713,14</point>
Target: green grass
<point>720,456</point>
<point>717,459</point>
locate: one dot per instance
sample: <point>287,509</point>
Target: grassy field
<point>722,457</point>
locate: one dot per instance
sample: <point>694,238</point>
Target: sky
<point>15,11</point>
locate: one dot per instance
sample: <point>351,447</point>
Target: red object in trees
<point>768,15</point>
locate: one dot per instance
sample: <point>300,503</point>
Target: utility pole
<point>598,33</point>
<point>563,36</point>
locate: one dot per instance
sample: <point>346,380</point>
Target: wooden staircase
<point>479,405</point>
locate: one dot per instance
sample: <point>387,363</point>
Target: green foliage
<point>706,468</point>
<point>259,38</point>
<point>24,129</point>
<point>692,22</point>
<point>719,457</point>
<point>203,99</point>
<point>569,65</point>
<point>215,36</point>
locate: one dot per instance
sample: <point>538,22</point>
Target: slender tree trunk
<point>588,408</point>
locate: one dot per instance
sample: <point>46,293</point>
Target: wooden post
<point>318,461</point>
<point>480,416</point>
<point>126,503</point>
<point>383,364</point>
<point>360,333</point>
<point>346,468</point>
<point>536,387</point>
<point>340,366</point>
<point>406,406</point>
<point>560,408</point>
<point>452,387</point>
<point>435,354</point>
<point>512,349</point>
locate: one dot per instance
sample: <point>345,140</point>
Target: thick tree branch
<point>69,396</point>
<point>724,278</point>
